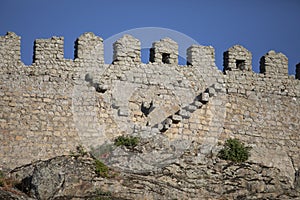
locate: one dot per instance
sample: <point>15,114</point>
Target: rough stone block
<point>191,108</point>
<point>184,113</point>
<point>204,97</point>
<point>176,118</point>
<point>198,104</point>
<point>123,112</point>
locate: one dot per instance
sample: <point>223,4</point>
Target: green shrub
<point>127,141</point>
<point>101,169</point>
<point>235,151</point>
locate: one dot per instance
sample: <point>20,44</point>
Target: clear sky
<point>258,25</point>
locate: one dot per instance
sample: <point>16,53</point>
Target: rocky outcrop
<point>64,177</point>
<point>13,195</point>
<point>191,176</point>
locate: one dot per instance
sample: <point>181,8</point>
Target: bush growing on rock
<point>101,169</point>
<point>128,141</point>
<point>235,151</point>
<point>104,171</point>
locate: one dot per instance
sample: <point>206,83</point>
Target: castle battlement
<point>127,50</point>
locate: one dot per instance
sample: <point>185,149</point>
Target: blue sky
<point>258,25</point>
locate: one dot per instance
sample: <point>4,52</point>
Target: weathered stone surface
<point>89,48</point>
<point>62,175</point>
<point>164,51</point>
<point>274,63</point>
<point>237,58</point>
<point>152,153</point>
<point>188,177</point>
<point>13,194</point>
<point>54,105</point>
<point>205,97</point>
<point>127,50</point>
<point>48,49</point>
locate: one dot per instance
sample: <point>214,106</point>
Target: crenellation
<point>197,54</point>
<point>10,48</point>
<point>274,64</point>
<point>237,58</point>
<point>89,47</point>
<point>164,51</point>
<point>48,49</point>
<point>127,50</point>
<point>56,104</point>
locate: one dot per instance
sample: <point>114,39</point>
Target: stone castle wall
<point>54,105</point>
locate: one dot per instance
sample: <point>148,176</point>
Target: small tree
<point>235,151</point>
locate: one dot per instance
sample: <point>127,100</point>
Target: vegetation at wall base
<point>234,150</point>
<point>101,169</point>
<point>80,152</point>
<point>128,141</point>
